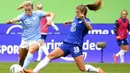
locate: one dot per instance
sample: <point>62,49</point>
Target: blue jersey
<point>77,32</point>
<point>31,25</point>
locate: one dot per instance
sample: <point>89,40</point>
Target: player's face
<point>124,14</point>
<point>78,13</point>
<point>28,10</point>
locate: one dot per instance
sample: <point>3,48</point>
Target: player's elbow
<point>90,28</point>
<point>53,14</point>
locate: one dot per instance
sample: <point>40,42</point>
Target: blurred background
<point>102,22</point>
<point>65,9</point>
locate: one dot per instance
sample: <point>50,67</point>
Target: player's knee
<point>127,48</point>
<point>82,69</point>
<point>33,49</point>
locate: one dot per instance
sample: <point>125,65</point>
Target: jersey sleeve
<point>115,27</point>
<point>20,17</point>
<point>88,20</point>
<point>128,27</point>
<point>41,13</point>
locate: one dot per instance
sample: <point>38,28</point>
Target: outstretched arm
<point>67,22</point>
<point>12,21</point>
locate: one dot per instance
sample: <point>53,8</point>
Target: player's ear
<point>32,6</point>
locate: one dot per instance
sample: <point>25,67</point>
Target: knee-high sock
<point>122,53</point>
<point>90,68</point>
<point>28,60</point>
<point>42,64</point>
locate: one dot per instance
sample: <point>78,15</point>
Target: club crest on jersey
<point>28,21</point>
<point>80,21</point>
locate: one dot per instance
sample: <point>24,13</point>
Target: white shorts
<point>25,44</point>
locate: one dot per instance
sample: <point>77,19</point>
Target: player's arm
<point>17,19</point>
<point>87,24</point>
<point>51,15</point>
<point>115,28</point>
<point>12,21</point>
<point>67,22</point>
<point>128,27</point>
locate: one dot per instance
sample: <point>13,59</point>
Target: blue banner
<point>10,39</point>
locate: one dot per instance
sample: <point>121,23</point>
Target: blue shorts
<point>43,37</point>
<point>122,42</point>
<point>72,49</point>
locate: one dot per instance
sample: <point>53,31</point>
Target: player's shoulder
<point>38,11</point>
<point>87,19</point>
<point>118,19</point>
<point>23,14</point>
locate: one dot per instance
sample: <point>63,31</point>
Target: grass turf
<point>71,68</point>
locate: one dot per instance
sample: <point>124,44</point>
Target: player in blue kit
<point>73,43</point>
<point>31,37</point>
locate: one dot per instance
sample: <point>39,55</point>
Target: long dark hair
<point>94,7</point>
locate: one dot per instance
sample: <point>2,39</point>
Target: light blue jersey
<point>31,25</point>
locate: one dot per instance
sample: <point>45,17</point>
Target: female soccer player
<point>31,37</point>
<point>73,43</point>
<point>44,32</point>
<point>121,30</point>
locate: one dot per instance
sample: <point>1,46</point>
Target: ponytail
<point>96,6</point>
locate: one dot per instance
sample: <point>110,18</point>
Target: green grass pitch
<point>72,68</point>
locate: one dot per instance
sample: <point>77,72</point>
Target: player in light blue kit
<point>31,37</point>
<point>73,43</point>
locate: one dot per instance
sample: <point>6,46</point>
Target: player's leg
<point>22,55</point>
<point>40,51</point>
<point>33,47</point>
<point>42,48</point>
<point>120,43</point>
<point>76,53</point>
<point>53,55</point>
<point>23,52</point>
<point>59,52</point>
<point>86,68</point>
<point>124,50</point>
<point>122,53</point>
<point>43,45</point>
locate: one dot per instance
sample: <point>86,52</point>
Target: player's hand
<point>118,37</point>
<point>66,22</point>
<point>81,16</point>
<point>9,22</point>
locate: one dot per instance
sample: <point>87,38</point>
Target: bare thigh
<point>55,54</point>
